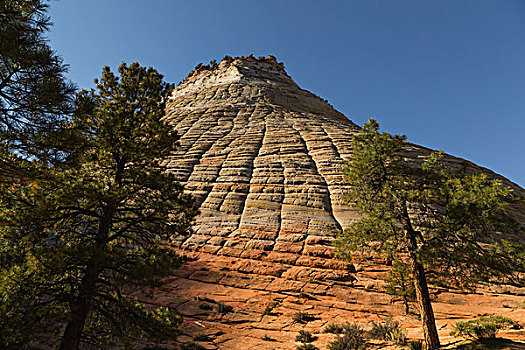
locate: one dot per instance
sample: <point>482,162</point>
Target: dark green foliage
<point>267,310</point>
<point>267,338</point>
<point>213,65</point>
<point>484,327</point>
<point>415,345</point>
<point>353,338</point>
<point>453,211</point>
<point>302,317</point>
<point>399,283</point>
<point>388,330</point>
<point>74,235</point>
<point>398,336</point>
<point>223,309</point>
<point>90,208</point>
<point>227,58</point>
<point>35,97</point>
<point>381,330</point>
<point>333,328</point>
<point>304,337</point>
<point>304,295</point>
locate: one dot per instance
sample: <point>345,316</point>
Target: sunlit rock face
<point>264,160</point>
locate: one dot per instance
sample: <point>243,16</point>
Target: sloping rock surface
<point>264,160</point>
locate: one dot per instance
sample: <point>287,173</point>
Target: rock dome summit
<point>263,158</point>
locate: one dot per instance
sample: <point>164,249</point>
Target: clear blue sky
<point>448,74</point>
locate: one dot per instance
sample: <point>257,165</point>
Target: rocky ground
<point>231,309</point>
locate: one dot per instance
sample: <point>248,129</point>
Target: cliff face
<point>264,159</point>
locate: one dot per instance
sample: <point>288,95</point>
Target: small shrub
<point>398,336</point>
<point>223,309</point>
<point>302,317</point>
<point>415,345</point>
<point>484,327</point>
<point>304,337</point>
<point>267,338</point>
<point>389,330</point>
<point>307,347</point>
<point>353,338</point>
<point>333,328</point>
<point>303,295</point>
<point>267,310</point>
<point>380,330</point>
<point>202,337</point>
<point>399,284</point>
<point>213,64</point>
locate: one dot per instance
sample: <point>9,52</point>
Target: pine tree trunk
<point>407,308</point>
<point>430,334</point>
<point>427,314</point>
<point>80,309</point>
<point>73,332</point>
<point>81,305</point>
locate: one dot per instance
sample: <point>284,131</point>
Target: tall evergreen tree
<point>35,96</point>
<point>93,229</point>
<point>449,225</point>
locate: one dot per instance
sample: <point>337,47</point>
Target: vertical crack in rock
<point>193,145</point>
<point>313,149</point>
<point>259,129</point>
<point>224,187</point>
<point>250,150</point>
<point>261,217</point>
<point>341,141</point>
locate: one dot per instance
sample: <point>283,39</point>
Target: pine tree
<point>399,284</point>
<point>78,237</point>
<point>35,97</point>
<point>452,225</point>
